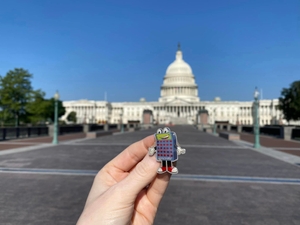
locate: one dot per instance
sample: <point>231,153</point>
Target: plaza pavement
<point>290,147</point>
<point>35,141</point>
<point>219,182</point>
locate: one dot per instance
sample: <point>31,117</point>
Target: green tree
<point>50,109</point>
<point>289,102</point>
<point>5,116</point>
<point>37,108</point>
<point>72,117</point>
<point>15,92</point>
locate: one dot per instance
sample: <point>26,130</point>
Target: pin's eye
<point>166,130</point>
<point>159,131</point>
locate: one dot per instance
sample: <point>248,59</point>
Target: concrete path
<point>34,141</point>
<point>290,147</point>
<point>219,182</point>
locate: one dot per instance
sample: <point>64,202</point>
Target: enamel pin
<point>167,150</point>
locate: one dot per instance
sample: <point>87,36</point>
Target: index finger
<point>133,154</point>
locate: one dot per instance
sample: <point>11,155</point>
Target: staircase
<point>179,120</point>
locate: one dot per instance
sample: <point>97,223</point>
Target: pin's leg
<point>169,166</point>
<point>174,169</point>
<point>162,168</point>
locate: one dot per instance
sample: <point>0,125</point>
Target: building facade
<point>178,104</point>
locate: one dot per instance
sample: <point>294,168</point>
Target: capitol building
<point>179,103</point>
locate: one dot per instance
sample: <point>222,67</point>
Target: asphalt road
<point>219,182</point>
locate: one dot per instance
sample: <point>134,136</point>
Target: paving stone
<point>59,199</point>
<point>42,199</point>
<point>216,203</point>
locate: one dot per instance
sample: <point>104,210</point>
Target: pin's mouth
<point>165,137</point>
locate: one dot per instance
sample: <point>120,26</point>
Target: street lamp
<point>122,127</point>
<point>215,125</point>
<point>55,130</point>
<point>256,118</point>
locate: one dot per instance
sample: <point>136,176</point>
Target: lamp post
<point>55,130</point>
<point>256,118</point>
<point>122,127</point>
<point>215,125</point>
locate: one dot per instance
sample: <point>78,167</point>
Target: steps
<point>179,120</point>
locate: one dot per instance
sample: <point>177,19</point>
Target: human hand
<point>127,190</point>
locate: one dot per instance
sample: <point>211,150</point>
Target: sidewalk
<point>219,182</point>
<point>291,147</point>
<point>26,142</point>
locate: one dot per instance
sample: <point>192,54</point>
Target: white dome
<point>217,99</point>
<point>179,66</point>
<point>179,81</point>
<point>179,73</point>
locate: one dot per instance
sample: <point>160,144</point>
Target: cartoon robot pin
<point>167,150</point>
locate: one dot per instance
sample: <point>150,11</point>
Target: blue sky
<point>86,48</point>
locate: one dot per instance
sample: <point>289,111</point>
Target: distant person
<point>127,190</point>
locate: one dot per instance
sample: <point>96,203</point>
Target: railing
<point>273,131</point>
<point>96,127</point>
<point>296,133</point>
<point>276,131</point>
<point>112,126</point>
<point>248,129</point>
<point>233,127</point>
<point>22,132</point>
<point>70,129</point>
<point>7,133</point>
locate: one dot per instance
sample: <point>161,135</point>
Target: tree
<point>72,117</point>
<point>50,109</point>
<point>15,92</point>
<point>289,102</point>
<point>5,116</point>
<point>37,108</point>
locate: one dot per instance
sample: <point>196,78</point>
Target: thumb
<point>142,175</point>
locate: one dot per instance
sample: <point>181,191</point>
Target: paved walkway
<point>26,142</point>
<point>291,147</point>
<point>219,182</point>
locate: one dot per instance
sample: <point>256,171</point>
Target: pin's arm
<point>180,151</point>
<point>151,150</point>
